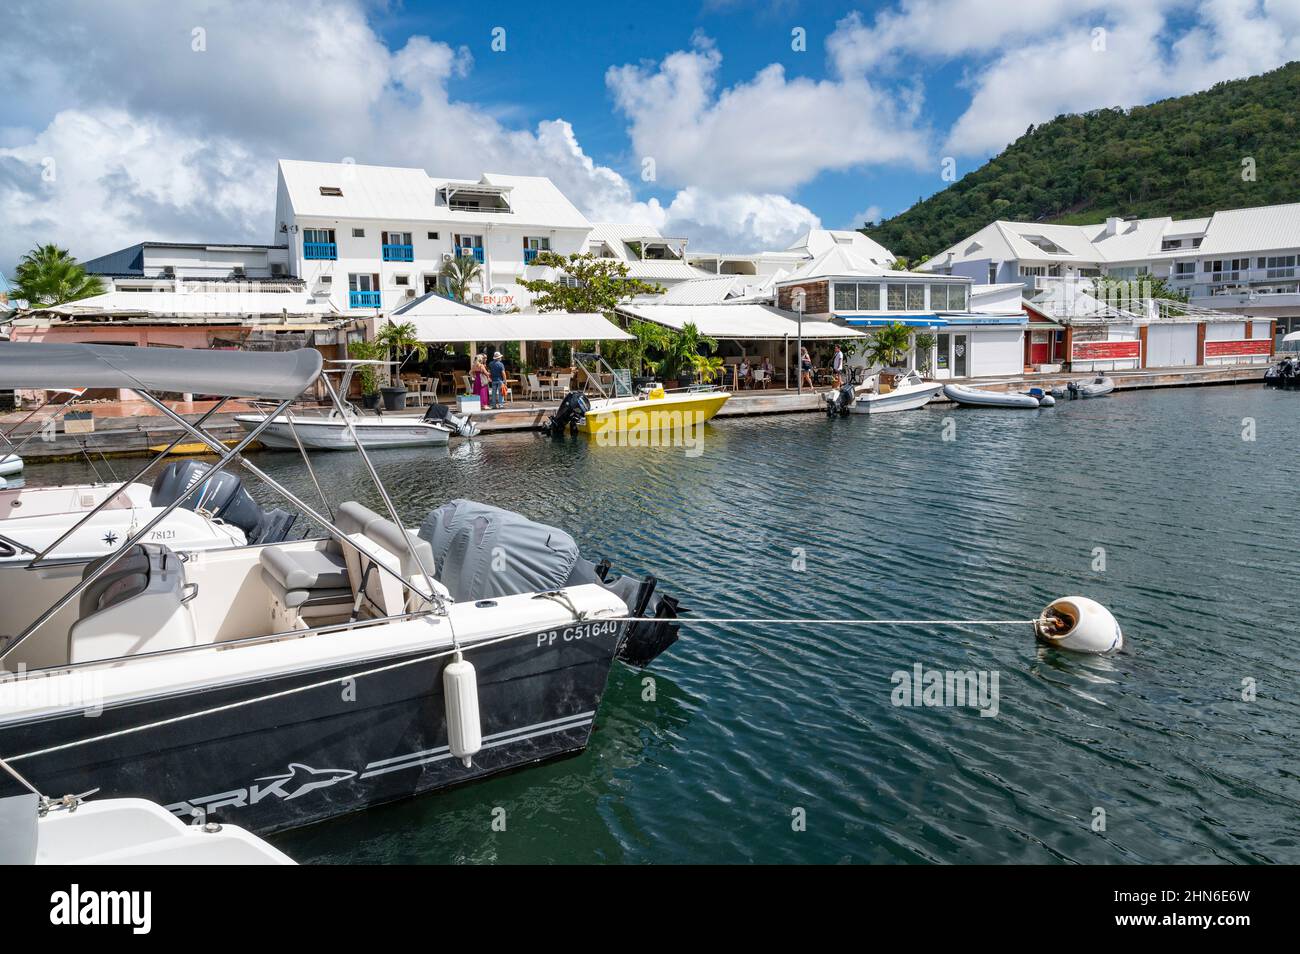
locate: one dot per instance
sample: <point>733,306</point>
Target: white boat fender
<point>460,688</point>
<point>1080,625</point>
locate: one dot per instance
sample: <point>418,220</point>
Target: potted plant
<point>707,367</point>
<point>367,374</point>
<point>677,365</point>
<point>924,343</point>
<point>397,339</point>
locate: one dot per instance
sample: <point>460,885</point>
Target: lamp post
<point>799,299</point>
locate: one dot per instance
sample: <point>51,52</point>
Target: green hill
<point>1180,157</point>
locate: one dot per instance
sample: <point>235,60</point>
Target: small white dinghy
<point>979,397</point>
<point>1099,386</point>
<point>10,464</point>
<point>893,391</point>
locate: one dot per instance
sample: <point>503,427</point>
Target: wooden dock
<point>134,435</point>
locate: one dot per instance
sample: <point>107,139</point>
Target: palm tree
<point>398,338</point>
<point>888,346</point>
<point>48,275</point>
<point>460,274</point>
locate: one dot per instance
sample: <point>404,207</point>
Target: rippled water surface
<point>1198,534</point>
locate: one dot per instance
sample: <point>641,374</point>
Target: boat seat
<point>139,606</point>
<point>305,584</point>
<point>382,541</point>
<point>354,517</point>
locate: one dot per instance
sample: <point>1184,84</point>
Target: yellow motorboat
<point>658,411</point>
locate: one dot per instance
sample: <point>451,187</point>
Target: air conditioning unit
<point>277,269</point>
<point>237,271</point>
<point>325,280</point>
<point>410,293</point>
<point>447,256</point>
<point>169,271</point>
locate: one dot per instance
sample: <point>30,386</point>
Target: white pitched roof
<point>842,262</point>
<point>1263,229</point>
<point>369,192</point>
<point>742,320</point>
<point>816,241</point>
<point>534,200</point>
<point>1228,232</point>
<point>403,194</point>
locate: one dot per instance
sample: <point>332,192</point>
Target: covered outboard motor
<point>221,497</point>
<point>456,423</point>
<point>468,540</point>
<point>838,402</point>
<point>568,415</point>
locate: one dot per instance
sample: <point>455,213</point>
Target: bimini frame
<point>228,456</point>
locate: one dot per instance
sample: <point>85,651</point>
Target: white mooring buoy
<point>460,687</point>
<point>1079,624</point>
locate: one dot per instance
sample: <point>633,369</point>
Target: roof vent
<point>331,190</point>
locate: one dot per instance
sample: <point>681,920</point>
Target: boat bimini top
<point>276,376</point>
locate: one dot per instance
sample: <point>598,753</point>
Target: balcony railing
<point>476,252</point>
<point>320,250</point>
<point>530,254</point>
<point>363,299</point>
<point>399,253</point>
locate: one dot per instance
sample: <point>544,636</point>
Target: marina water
<point>772,743</point>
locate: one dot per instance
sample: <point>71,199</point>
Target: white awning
<point>740,321</point>
<point>438,319</point>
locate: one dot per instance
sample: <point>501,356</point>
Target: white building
<point>374,237</point>
<point>648,255</point>
<point>1242,261</point>
<point>167,266</point>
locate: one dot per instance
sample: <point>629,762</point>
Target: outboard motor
<point>456,423</point>
<point>222,497</point>
<point>468,539</point>
<point>839,402</point>
<point>568,415</point>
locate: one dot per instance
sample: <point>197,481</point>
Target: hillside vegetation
<point>1181,157</point>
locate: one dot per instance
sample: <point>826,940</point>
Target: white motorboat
<point>982,397</point>
<point>336,429</point>
<point>617,410</point>
<point>87,521</point>
<point>10,465</point>
<point>889,391</point>
<point>120,831</point>
<point>277,685</point>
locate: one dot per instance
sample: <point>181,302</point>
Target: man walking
<point>497,380</point>
<point>837,365</point>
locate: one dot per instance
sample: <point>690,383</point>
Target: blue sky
<point>163,119</point>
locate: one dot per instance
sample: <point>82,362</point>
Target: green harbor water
<point>770,743</point>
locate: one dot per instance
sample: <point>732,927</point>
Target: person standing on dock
<point>497,373</point>
<point>480,380</point>
<point>837,365</point>
<point>805,367</point>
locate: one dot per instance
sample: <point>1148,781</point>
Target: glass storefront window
<point>869,297</point>
<point>897,297</point>
<point>916,298</point>
<point>846,297</point>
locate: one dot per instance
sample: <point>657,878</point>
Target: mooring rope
<point>429,657</point>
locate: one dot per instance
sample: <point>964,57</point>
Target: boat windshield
<point>608,381</point>
<point>1290,345</point>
